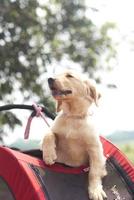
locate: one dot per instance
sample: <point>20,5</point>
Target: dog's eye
<point>69,76</point>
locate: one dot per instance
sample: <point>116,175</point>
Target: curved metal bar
<point>26,107</point>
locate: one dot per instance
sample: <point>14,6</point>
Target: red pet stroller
<point>24,176</point>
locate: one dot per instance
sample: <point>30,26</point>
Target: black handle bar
<point>27,107</point>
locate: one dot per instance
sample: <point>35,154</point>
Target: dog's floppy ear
<point>58,105</point>
<point>91,92</point>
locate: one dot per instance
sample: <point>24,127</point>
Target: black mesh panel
<point>59,186</point>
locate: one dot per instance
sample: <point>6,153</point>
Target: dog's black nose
<point>51,81</point>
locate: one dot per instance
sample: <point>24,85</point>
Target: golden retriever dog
<point>73,139</point>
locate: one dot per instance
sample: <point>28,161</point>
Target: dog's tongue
<point>61,92</point>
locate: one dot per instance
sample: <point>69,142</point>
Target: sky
<point>117,106</point>
<point>116,109</point>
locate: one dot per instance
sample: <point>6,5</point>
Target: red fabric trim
<point>56,167</point>
<point>67,170</point>
<point>34,181</point>
<point>26,158</point>
<point>111,150</point>
<point>20,179</point>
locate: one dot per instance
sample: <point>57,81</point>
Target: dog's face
<point>68,86</point>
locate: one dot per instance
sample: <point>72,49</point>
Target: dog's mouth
<point>55,89</point>
<point>56,92</point>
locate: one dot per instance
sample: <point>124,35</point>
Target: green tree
<point>34,36</point>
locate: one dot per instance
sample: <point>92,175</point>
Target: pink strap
<point>39,113</point>
<point>27,130</point>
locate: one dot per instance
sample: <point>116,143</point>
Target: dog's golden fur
<point>72,139</point>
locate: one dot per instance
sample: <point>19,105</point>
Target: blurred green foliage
<point>128,149</point>
<point>33,36</point>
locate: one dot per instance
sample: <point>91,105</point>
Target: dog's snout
<point>51,81</point>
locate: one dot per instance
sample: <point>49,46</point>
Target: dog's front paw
<point>97,193</point>
<point>49,156</point>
